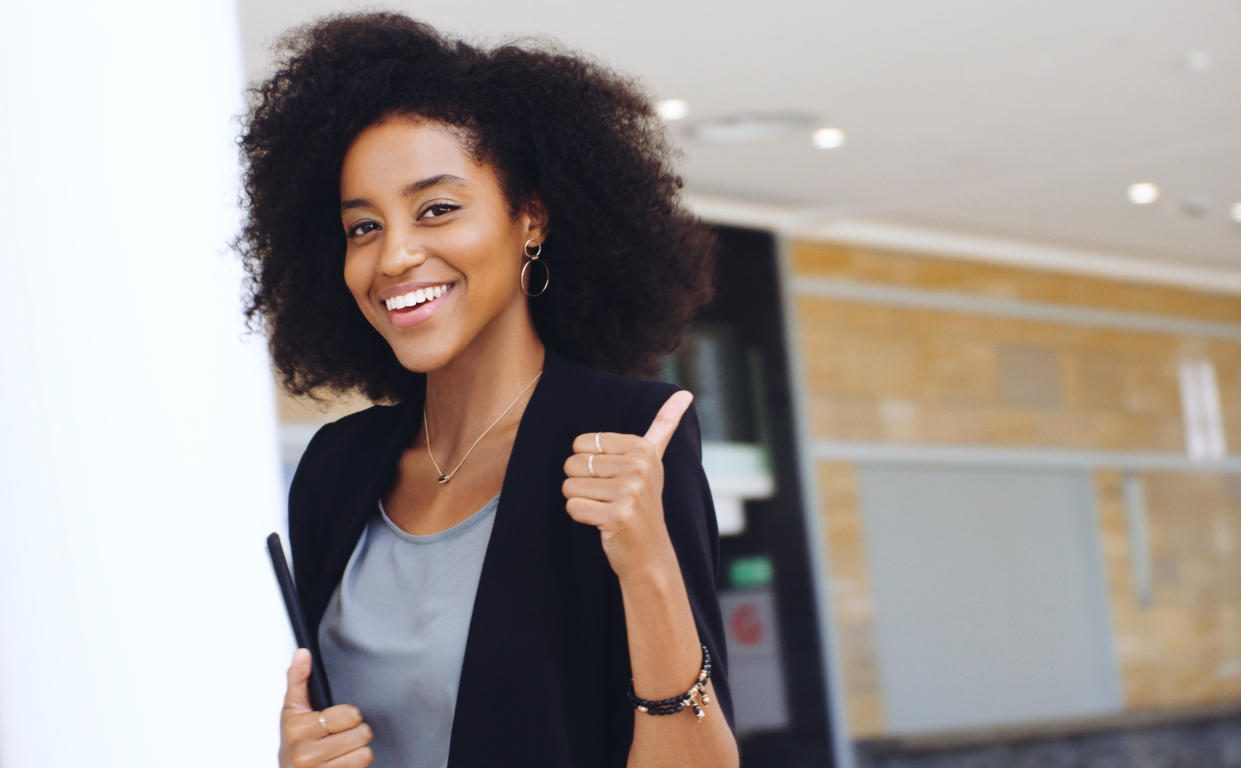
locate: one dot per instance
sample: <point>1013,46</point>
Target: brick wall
<point>917,373</point>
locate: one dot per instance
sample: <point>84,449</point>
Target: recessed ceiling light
<point>1143,193</point>
<point>672,109</point>
<point>1198,61</point>
<point>828,138</point>
<point>1235,212</point>
<point>741,127</point>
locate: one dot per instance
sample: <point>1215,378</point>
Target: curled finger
<point>358,758</point>
<point>594,465</point>
<point>597,488</point>
<point>307,726</point>
<point>610,442</point>
<point>589,511</point>
<point>338,746</point>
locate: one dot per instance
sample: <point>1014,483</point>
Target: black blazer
<point>546,660</point>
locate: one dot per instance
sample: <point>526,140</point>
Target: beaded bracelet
<point>695,697</point>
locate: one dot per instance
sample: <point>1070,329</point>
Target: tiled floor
<point>1214,743</point>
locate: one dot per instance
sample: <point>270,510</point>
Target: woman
<point>511,561</point>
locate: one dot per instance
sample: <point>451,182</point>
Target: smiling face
<point>432,254</point>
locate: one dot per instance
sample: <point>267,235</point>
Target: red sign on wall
<point>746,625</point>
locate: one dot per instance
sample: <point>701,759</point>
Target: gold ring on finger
<point>598,448</point>
<point>323,722</point>
<point>590,464</point>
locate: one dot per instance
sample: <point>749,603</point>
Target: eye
<point>359,229</point>
<point>438,209</point>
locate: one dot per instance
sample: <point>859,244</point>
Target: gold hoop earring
<point>532,254</point>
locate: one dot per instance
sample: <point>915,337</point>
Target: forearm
<point>665,654</point>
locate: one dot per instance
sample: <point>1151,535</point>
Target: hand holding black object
<point>311,738</point>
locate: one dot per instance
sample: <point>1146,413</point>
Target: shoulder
<point>340,455</point>
<point>363,424</point>
<point>345,443</point>
<point>610,401</point>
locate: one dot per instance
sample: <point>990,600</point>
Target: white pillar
<point>139,621</point>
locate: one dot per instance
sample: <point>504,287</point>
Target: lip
<point>402,318</point>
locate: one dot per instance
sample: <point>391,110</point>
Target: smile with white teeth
<point>420,296</point>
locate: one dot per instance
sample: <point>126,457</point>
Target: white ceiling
<point>1004,119</point>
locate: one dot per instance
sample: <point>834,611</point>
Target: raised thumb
<point>297,695</point>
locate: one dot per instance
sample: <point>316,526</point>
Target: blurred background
<point>970,387</point>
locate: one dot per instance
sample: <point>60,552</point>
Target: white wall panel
<point>139,623</point>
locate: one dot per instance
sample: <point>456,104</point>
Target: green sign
<point>754,571</point>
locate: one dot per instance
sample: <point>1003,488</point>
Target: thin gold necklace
<point>443,478</point>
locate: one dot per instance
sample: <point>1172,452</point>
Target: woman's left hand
<point>615,482</point>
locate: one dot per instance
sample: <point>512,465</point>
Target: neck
<point>473,389</point>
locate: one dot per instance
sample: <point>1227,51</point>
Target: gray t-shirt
<point>393,636</point>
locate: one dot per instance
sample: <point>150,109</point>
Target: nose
<point>401,252</point>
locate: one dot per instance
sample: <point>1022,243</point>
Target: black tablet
<point>320,693</point>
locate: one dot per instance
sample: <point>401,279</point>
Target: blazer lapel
<point>511,641</point>
<point>378,466</point>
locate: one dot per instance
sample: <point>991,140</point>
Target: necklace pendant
<point>426,428</point>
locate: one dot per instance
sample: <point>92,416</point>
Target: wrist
<point>657,573</point>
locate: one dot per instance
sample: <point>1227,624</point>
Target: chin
<point>422,358</point>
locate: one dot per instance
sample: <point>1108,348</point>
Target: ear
<point>534,220</point>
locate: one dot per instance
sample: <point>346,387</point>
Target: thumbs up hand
<point>615,482</point>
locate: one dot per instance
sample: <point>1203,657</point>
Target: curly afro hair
<point>629,266</point>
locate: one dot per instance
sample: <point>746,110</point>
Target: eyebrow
<point>412,188</point>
